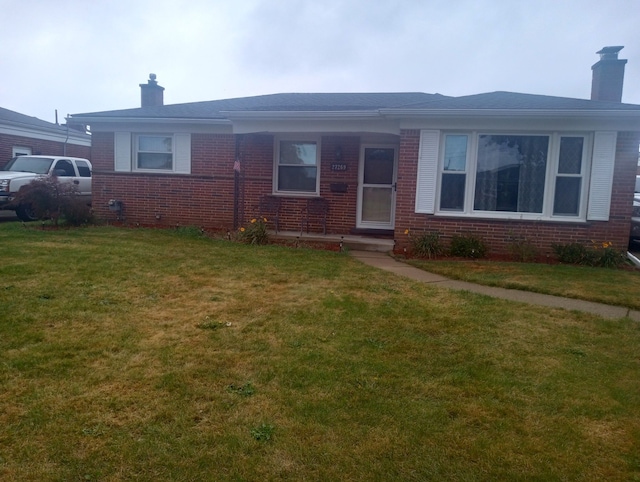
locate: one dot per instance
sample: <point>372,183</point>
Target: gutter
<point>151,120</point>
<point>581,113</point>
<point>44,128</point>
<point>320,114</point>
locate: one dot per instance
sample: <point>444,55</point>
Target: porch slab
<point>349,241</point>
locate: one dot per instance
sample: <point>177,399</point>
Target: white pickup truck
<point>21,170</point>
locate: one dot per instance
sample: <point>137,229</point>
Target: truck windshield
<point>37,165</point>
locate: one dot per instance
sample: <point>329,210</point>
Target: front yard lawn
<point>161,355</point>
<point>619,287</point>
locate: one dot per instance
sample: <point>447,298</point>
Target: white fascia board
<point>371,125</point>
<point>308,115</point>
<point>142,125</point>
<point>146,120</point>
<point>72,138</point>
<point>404,113</point>
<point>586,121</point>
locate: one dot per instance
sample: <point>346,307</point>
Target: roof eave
<point>59,130</point>
<point>311,115</point>
<point>147,120</point>
<point>563,113</point>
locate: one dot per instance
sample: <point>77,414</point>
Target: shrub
<point>426,244</point>
<point>602,255</point>
<point>572,253</point>
<point>468,246</point>
<point>522,249</point>
<point>255,232</point>
<point>611,258</point>
<point>47,198</point>
<point>77,212</point>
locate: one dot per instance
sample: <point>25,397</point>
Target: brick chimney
<point>608,75</point>
<point>151,94</point>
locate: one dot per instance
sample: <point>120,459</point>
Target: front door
<point>377,187</point>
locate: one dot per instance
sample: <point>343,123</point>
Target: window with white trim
<point>296,165</point>
<point>154,152</point>
<point>531,176</point>
<point>20,151</point>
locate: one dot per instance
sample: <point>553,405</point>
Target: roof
<point>15,119</point>
<point>293,102</point>
<point>517,101</point>
<point>402,103</point>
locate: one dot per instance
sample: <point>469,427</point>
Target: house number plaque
<point>339,166</point>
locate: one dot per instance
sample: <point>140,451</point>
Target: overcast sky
<point>80,56</point>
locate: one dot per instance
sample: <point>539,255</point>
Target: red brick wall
<point>206,197</point>
<point>498,233</point>
<point>257,165</point>
<point>39,146</point>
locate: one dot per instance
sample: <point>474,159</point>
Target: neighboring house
<point>500,165</point>
<point>21,134</point>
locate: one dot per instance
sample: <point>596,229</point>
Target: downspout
<point>64,146</point>
<point>238,198</point>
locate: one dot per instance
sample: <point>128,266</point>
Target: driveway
<point>7,216</point>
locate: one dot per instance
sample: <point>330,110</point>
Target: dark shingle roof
<point>313,102</point>
<point>27,122</point>
<point>517,101</point>
<point>363,102</point>
<point>12,117</point>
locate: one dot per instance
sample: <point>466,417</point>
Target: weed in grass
<point>577,352</point>
<point>263,432</point>
<point>245,390</point>
<point>375,343</point>
<point>93,431</point>
<point>209,324</point>
<point>190,231</point>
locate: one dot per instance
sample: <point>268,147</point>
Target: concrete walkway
<point>387,263</point>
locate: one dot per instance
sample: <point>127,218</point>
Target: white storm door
<point>377,187</point>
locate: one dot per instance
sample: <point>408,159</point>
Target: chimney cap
<point>610,53</point>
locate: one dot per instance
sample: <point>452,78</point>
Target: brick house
<point>498,165</point>
<point>21,134</point>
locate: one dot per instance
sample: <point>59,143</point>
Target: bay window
<point>533,176</point>
<point>510,173</point>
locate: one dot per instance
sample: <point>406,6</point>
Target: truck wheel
<point>25,213</point>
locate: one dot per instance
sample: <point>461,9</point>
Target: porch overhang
<point>317,121</point>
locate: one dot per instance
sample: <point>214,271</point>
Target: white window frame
<point>136,151</point>
<point>20,151</point>
<point>583,175</point>
<point>276,163</point>
<point>551,175</point>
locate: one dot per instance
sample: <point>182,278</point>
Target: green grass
<point>620,287</point>
<point>157,355</point>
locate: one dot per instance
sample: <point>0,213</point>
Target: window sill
<point>295,194</point>
<point>511,217</point>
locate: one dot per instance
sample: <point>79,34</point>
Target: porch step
<point>349,241</point>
